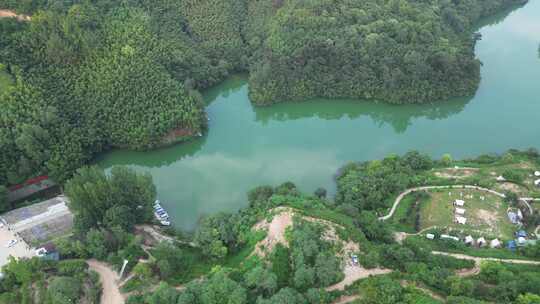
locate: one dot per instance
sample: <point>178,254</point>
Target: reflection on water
<point>399,117</point>
<point>307,142</point>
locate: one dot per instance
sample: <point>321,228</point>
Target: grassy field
<point>486,175</point>
<point>484,217</point>
<point>405,215</point>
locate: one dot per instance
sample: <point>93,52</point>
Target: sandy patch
<point>12,14</point>
<point>109,286</point>
<point>354,273</point>
<point>19,250</point>
<point>489,217</point>
<point>525,165</point>
<point>283,219</point>
<point>347,299</point>
<point>276,231</point>
<point>509,187</point>
<point>456,172</point>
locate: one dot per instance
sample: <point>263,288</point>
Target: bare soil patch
<point>354,273</point>
<point>283,219</point>
<point>489,217</point>
<point>276,231</point>
<point>456,172</point>
<point>510,187</point>
<point>110,289</point>
<point>347,299</point>
<point>11,14</point>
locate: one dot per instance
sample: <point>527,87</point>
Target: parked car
<point>354,259</point>
<point>41,252</point>
<point>11,243</point>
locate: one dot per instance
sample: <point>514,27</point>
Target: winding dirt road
<point>109,286</point>
<point>477,261</point>
<point>347,299</point>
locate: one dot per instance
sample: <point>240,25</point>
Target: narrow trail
<point>429,292</point>
<point>355,273</point>
<point>416,189</point>
<point>109,286</point>
<point>347,299</point>
<point>478,260</point>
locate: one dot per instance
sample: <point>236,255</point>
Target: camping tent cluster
<point>515,216</point>
<point>459,212</point>
<point>469,240</point>
<point>522,239</point>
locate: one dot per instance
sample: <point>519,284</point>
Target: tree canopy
<point>90,75</point>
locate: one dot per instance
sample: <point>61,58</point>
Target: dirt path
<point>354,273</point>
<point>347,299</point>
<point>403,194</point>
<point>159,236</point>
<point>477,261</point>
<point>11,14</point>
<point>109,286</point>
<point>431,293</point>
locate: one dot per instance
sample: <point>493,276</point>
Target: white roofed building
<point>460,211</point>
<point>461,220</point>
<point>469,240</point>
<point>495,243</point>
<point>459,203</point>
<point>449,237</point>
<point>481,242</point>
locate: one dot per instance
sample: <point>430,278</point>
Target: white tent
<point>430,236</point>
<point>521,241</point>
<point>536,173</point>
<point>495,243</point>
<point>500,178</point>
<point>459,203</point>
<point>537,182</point>
<point>469,240</point>
<point>449,237</point>
<point>461,220</point>
<point>481,242</point>
<point>460,211</point>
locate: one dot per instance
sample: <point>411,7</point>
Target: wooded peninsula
<point>79,77</point>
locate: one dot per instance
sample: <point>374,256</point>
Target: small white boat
<point>161,214</point>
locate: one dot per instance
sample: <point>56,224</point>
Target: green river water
<point>307,142</point>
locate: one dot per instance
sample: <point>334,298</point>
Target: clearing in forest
<point>283,219</point>
<point>486,217</point>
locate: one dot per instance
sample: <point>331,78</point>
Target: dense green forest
<point>397,51</point>
<point>83,76</point>
<point>64,282</point>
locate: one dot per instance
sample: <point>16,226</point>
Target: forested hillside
<point>82,76</point>
<point>390,50</point>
